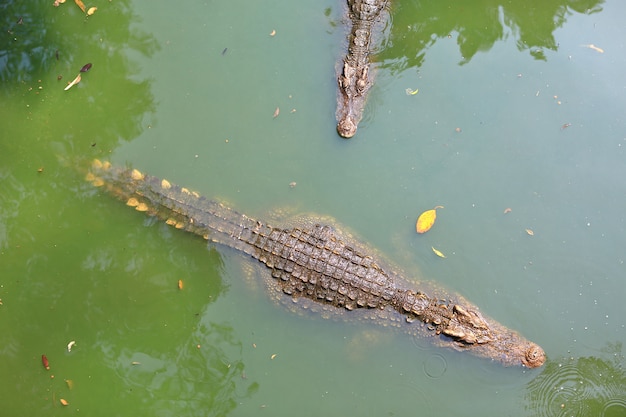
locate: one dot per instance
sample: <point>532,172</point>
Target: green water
<point>188,91</point>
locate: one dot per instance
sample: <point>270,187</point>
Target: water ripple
<point>581,387</point>
<point>435,366</point>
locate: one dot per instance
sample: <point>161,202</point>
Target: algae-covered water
<point>518,129</point>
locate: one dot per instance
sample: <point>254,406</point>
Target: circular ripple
<point>421,342</point>
<point>579,387</point>
<point>614,408</point>
<point>435,366</point>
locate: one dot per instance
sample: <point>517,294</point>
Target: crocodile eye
<point>534,356</point>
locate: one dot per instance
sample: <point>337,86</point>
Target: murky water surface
<point>520,106</point>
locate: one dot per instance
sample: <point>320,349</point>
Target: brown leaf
<point>44,361</point>
<point>80,4</point>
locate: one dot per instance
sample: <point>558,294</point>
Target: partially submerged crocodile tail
<point>179,207</point>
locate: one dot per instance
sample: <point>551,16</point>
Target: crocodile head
<point>490,339</point>
<point>354,82</point>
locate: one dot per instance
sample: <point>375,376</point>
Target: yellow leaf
<point>438,253</point>
<point>91,11</point>
<point>80,4</point>
<point>426,220</point>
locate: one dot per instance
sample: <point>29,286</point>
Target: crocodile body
<point>354,79</point>
<point>317,265</point>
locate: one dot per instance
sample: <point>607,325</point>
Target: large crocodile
<point>320,268</point>
<point>354,79</point>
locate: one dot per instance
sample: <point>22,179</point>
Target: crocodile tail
<point>177,206</point>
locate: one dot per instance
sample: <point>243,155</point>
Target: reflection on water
<point>46,49</point>
<point>478,26</point>
<point>77,267</point>
<point>587,386</point>
<point>202,380</point>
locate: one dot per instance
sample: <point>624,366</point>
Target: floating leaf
<point>426,220</point>
<point>437,252</point>
<point>91,11</point>
<point>507,210</point>
<point>276,112</point>
<point>595,48</point>
<point>64,402</point>
<point>44,361</point>
<point>71,345</point>
<point>73,83</point>
<point>411,92</point>
<point>530,232</point>
<point>86,67</point>
<point>180,284</point>
<point>80,4</point>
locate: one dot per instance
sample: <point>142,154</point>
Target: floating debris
<point>508,210</point>
<point>86,67</point>
<point>595,48</point>
<point>426,220</point>
<point>71,345</point>
<point>437,252</point>
<point>64,402</point>
<point>91,11</point>
<point>276,112</point>
<point>44,361</point>
<point>80,4</point>
<point>73,83</point>
<point>530,232</point>
<point>411,92</point>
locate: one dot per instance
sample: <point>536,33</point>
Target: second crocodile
<point>320,268</point>
<point>354,79</point>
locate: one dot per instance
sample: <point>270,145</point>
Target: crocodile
<point>314,264</point>
<point>354,79</point>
